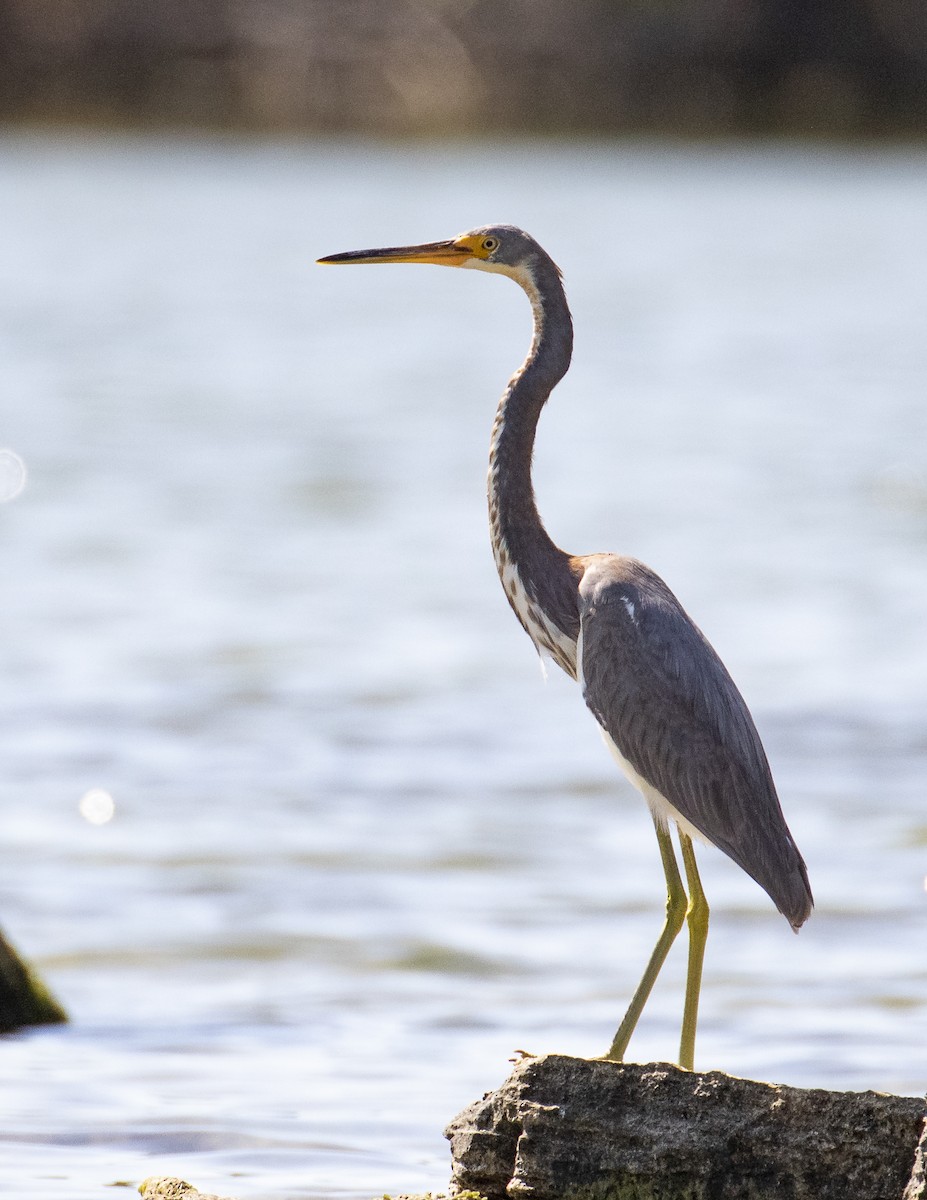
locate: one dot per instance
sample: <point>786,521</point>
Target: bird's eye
<point>490,244</point>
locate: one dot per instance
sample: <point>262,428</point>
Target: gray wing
<point>664,697</point>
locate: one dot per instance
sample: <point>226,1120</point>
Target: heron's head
<point>502,248</point>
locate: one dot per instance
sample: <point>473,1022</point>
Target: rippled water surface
<point>360,852</point>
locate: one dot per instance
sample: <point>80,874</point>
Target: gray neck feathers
<point>517,531</point>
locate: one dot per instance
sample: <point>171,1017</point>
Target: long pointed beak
<point>451,253</point>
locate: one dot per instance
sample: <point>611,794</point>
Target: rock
<point>593,1130</point>
<point>24,998</point>
<point>917,1185</point>
<point>168,1188</point>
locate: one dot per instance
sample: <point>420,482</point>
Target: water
<point>360,853</point>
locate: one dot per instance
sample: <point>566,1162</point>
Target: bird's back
<point>666,701</point>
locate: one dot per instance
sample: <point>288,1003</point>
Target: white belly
<point>662,811</point>
<point>660,808</point>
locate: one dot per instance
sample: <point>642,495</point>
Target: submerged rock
<point>24,998</point>
<point>575,1128</point>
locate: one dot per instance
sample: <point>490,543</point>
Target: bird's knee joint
<point>697,912</point>
<point>676,908</point>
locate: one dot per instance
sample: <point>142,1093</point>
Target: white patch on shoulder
<point>662,811</point>
<point>629,605</point>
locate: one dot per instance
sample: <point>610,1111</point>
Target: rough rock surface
<point>917,1187</point>
<point>168,1188</point>
<point>568,1129</point>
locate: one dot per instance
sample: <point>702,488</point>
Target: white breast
<point>547,637</point>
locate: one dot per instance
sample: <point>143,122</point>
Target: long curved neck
<point>527,559</point>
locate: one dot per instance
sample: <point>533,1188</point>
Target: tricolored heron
<point>668,710</point>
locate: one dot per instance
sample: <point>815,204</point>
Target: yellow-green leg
<point>676,906</point>
<point>697,920</point>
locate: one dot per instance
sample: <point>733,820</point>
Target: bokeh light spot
<point>12,475</point>
<point>97,806</point>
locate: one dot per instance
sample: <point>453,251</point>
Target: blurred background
<point>465,66</point>
<point>290,822</point>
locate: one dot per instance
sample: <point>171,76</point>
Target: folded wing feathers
<point>662,694</point>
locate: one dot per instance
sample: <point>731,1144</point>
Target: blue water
<point>360,852</point>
